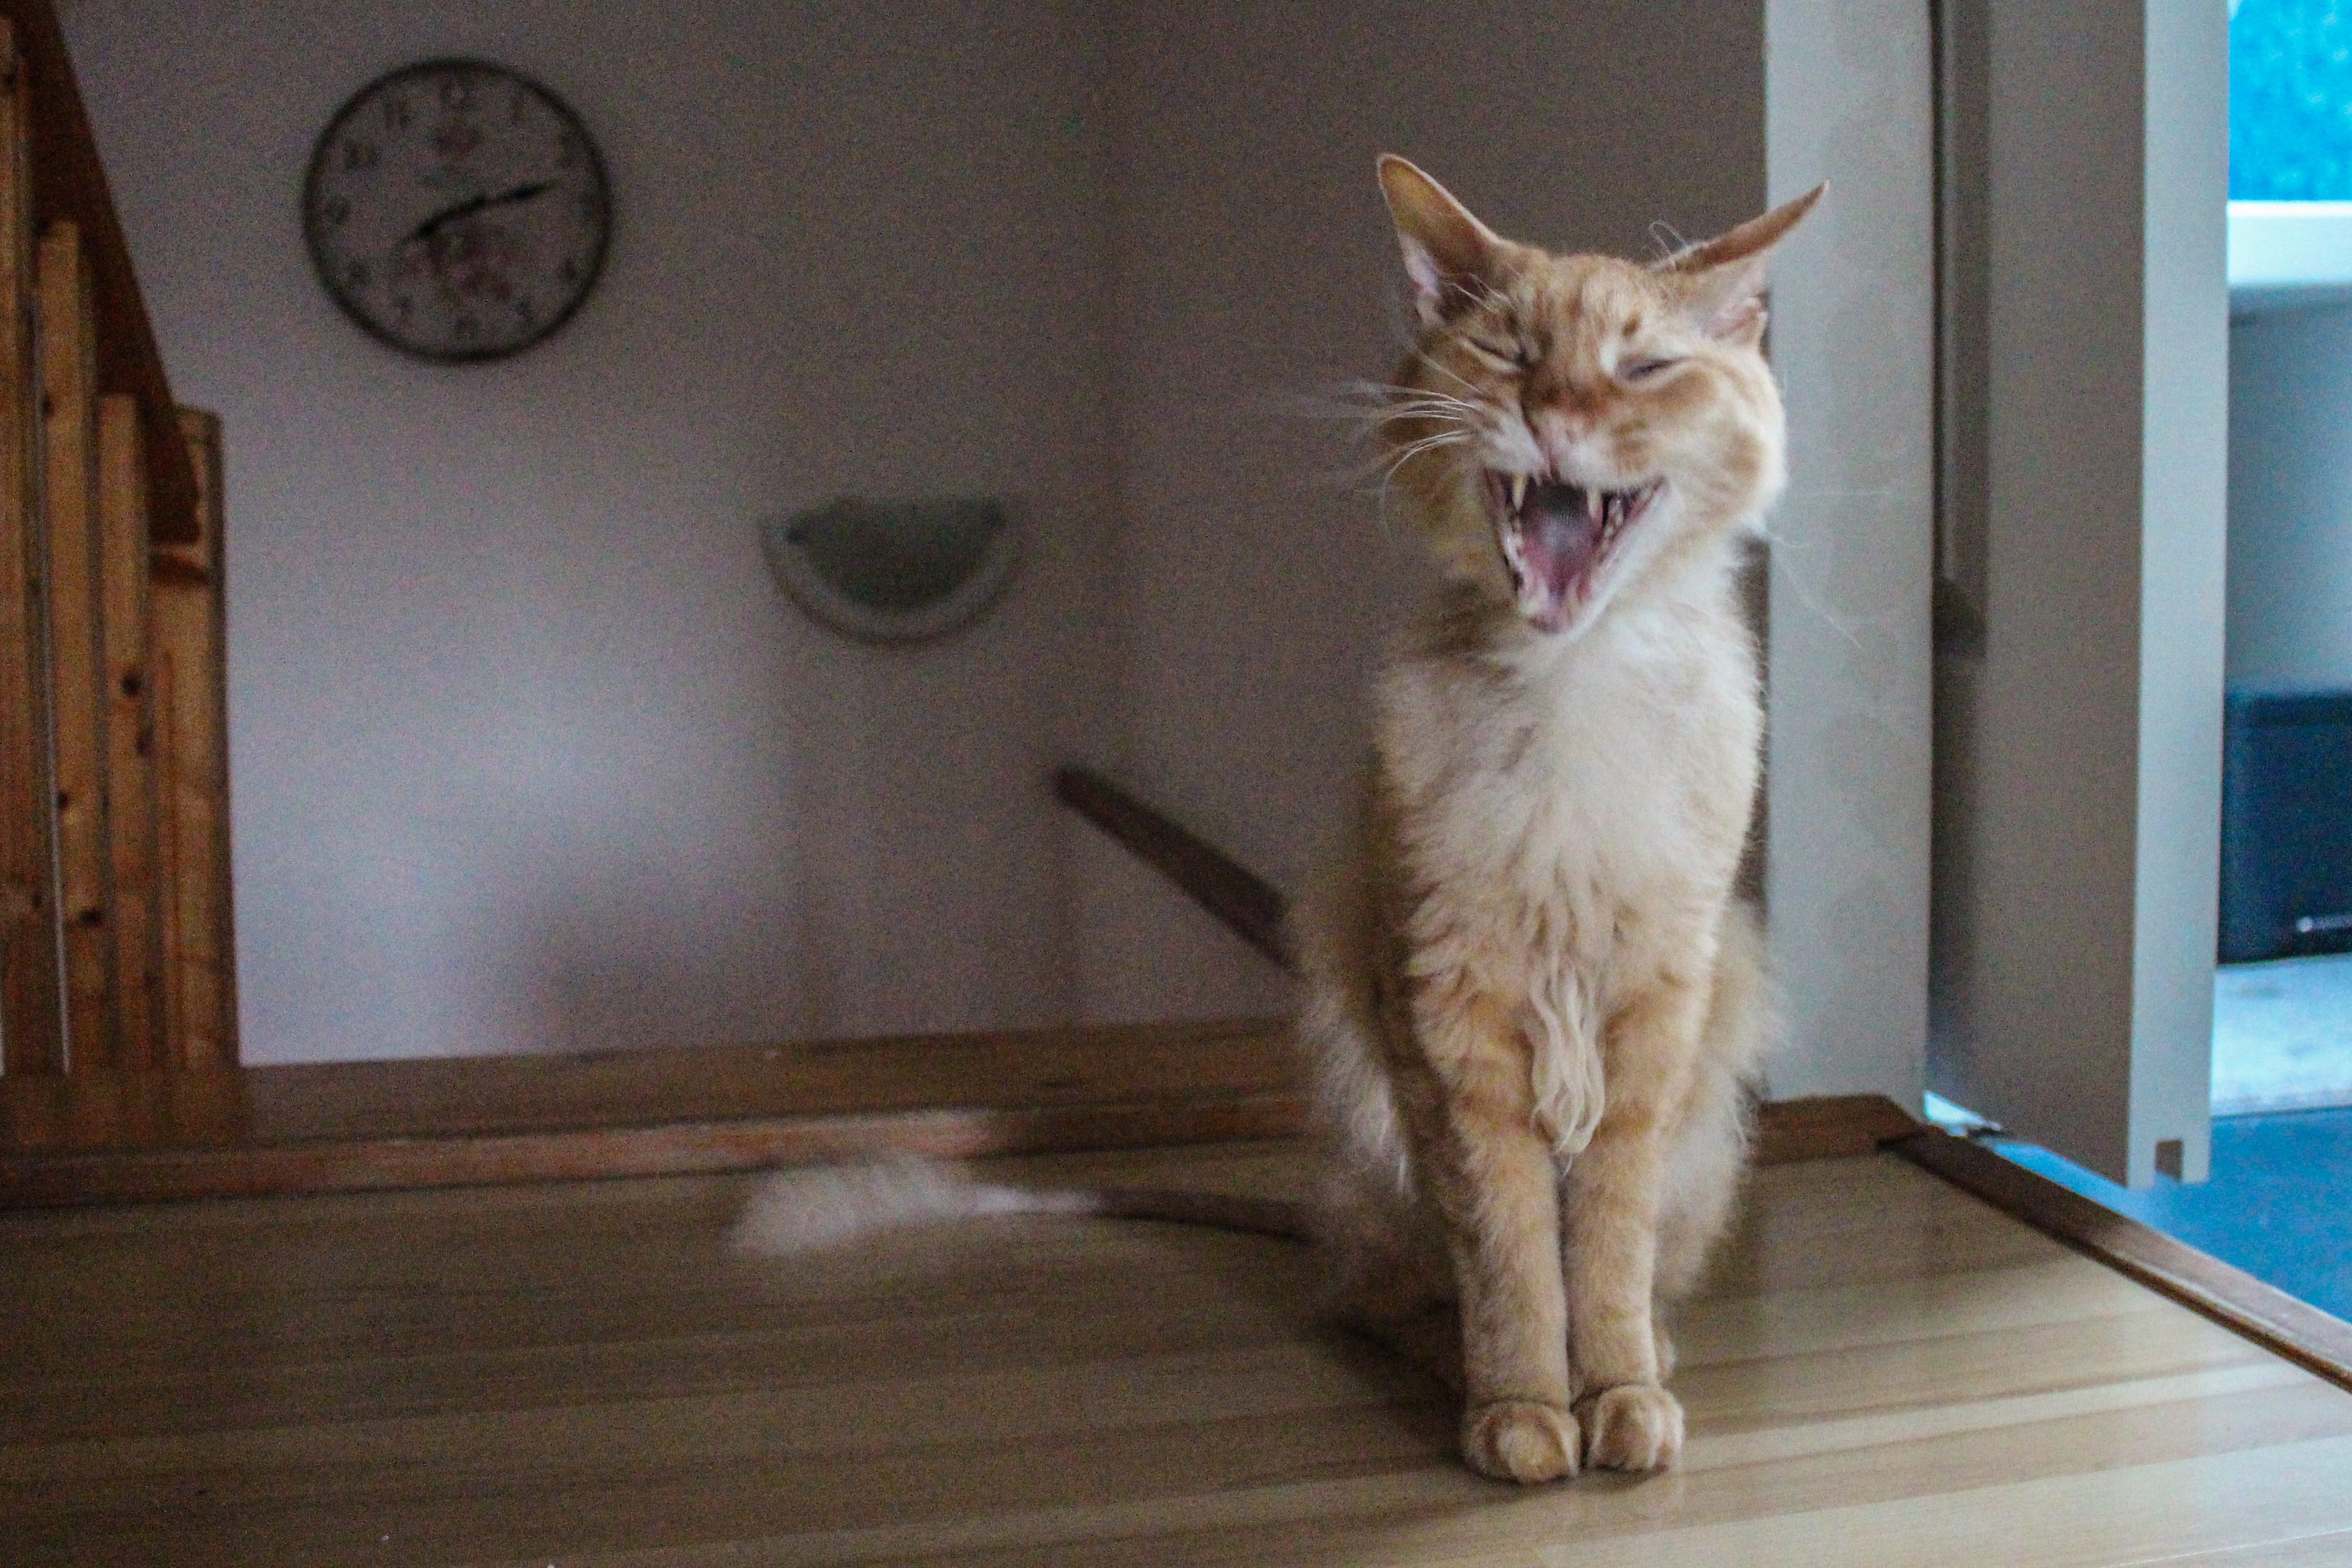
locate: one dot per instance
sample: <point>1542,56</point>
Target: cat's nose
<point>1562,431</point>
<point>1558,401</point>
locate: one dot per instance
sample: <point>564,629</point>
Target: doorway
<point>2279,1083</point>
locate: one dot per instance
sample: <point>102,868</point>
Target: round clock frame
<point>457,210</point>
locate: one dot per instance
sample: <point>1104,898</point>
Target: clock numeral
<point>568,152</point>
<point>518,105</point>
<point>336,211</point>
<point>358,275</point>
<point>396,114</point>
<point>359,156</point>
<point>525,311</point>
<point>456,93</point>
<point>403,306</point>
<point>465,327</point>
<point>569,270</point>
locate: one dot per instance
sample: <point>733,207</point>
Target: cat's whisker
<point>1374,400</point>
<point>1383,390</point>
<point>1449,421</point>
<point>1376,408</point>
<point>1806,599</point>
<point>1406,399</point>
<point>1865,492</point>
<point>1424,356</point>
<point>1412,449</point>
<point>1456,406</point>
<point>1346,401</point>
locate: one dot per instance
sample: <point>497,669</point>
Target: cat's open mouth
<point>1556,537</point>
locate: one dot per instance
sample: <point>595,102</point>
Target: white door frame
<point>2078,724</point>
<point>1848,99</point>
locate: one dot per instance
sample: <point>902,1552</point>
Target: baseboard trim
<point>679,1148</point>
<point>1828,1127</point>
<point>361,1126</point>
<point>372,1126</point>
<point>2301,1333</point>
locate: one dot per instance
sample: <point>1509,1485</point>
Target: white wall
<point>2290,579</point>
<point>527,752</point>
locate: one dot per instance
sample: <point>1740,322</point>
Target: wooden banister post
<point>32,1037</point>
<point>68,356</point>
<point>123,573</point>
<point>188,666</point>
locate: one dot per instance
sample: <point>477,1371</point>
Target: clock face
<point>457,210</point>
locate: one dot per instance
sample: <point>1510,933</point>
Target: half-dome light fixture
<point>893,571</point>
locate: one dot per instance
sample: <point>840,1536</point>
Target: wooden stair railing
<point>1244,903</point>
<point>116,935</point>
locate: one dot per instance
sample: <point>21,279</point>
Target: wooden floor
<point>1887,1372</point>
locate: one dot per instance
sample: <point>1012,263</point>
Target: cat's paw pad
<point>1633,1427</point>
<point>1520,1440</point>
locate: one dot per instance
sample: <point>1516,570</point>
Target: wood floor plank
<point>1883,1371</point>
<point>1372,1491</point>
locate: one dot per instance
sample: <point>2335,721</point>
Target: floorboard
<point>1883,1369</point>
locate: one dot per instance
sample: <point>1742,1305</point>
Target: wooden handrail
<point>1250,907</point>
<point>69,184</point>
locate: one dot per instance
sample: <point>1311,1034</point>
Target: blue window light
<point>2290,152</point>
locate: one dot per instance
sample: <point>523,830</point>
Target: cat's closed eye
<point>1509,354</point>
<point>1641,369</point>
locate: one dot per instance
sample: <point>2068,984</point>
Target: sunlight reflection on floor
<point>2282,1035</point>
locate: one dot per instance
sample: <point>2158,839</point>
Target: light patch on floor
<point>2282,1035</point>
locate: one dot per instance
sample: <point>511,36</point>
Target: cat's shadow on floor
<point>1263,1288</point>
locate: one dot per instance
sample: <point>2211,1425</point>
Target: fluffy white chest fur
<point>1573,775</point>
<point>1572,811</point>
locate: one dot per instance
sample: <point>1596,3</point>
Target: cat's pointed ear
<point>1724,292</point>
<point>1449,255</point>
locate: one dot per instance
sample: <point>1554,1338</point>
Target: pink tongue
<point>1559,539</point>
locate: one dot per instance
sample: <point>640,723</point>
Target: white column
<point>1847,96</point>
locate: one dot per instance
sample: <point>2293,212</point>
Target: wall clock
<point>457,210</point>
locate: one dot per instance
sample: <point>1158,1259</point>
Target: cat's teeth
<point>1518,492</point>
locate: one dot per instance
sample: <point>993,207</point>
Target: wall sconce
<point>893,571</point>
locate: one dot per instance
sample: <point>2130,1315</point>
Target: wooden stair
<point>115,932</point>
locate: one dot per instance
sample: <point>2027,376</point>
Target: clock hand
<point>472,205</point>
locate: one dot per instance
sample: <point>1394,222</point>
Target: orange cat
<point>1533,1002</point>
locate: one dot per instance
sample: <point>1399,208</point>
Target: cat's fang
<point>1518,483</point>
<point>1515,561</point>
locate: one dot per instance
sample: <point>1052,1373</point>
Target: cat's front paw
<point>1633,1427</point>
<point>1520,1440</point>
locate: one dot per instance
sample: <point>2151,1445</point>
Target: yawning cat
<point>1533,1002</point>
<point>1532,998</point>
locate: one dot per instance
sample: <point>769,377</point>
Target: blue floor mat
<point>2279,1205</point>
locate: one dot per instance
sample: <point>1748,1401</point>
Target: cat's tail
<point>820,1207</point>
